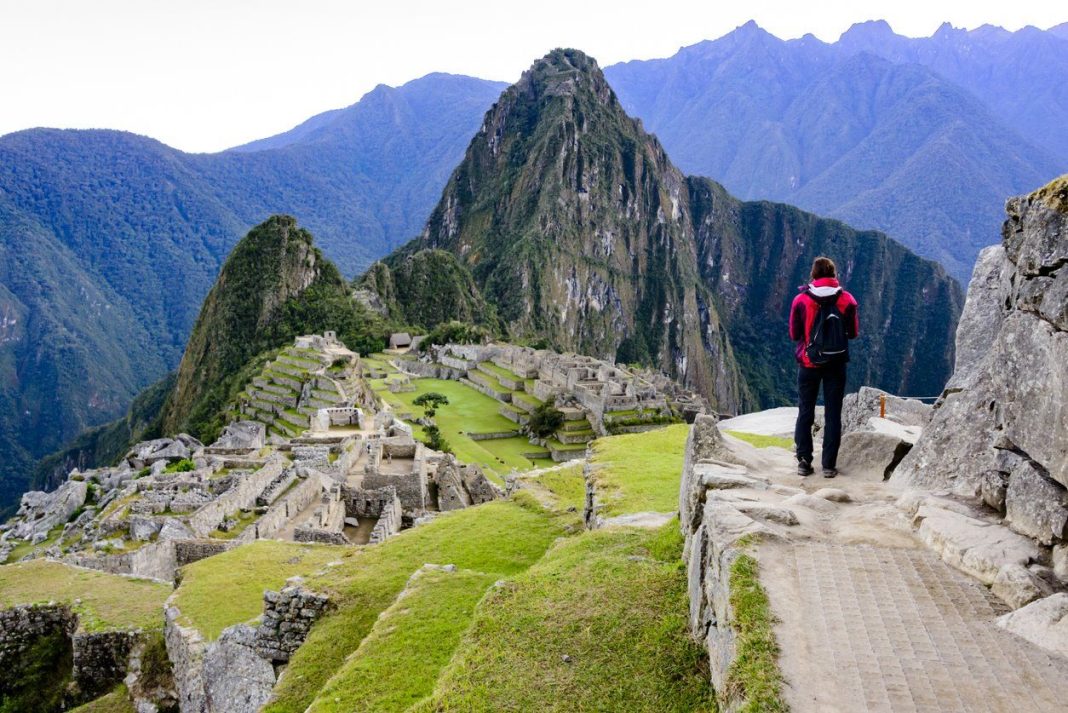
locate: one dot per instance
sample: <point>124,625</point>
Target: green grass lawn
<point>468,411</point>
<point>107,601</point>
<point>26,547</point>
<point>243,573</point>
<point>614,603</point>
<point>500,371</point>
<point>639,472</point>
<point>567,486</point>
<point>501,539</point>
<point>398,663</point>
<point>118,701</point>
<point>761,441</point>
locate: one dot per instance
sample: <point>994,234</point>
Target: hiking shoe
<point>804,468</point>
<point>830,472</point>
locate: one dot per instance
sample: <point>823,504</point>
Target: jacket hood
<point>823,287</point>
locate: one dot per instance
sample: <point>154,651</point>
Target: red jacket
<point>804,310</point>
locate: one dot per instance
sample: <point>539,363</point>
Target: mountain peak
<point>871,30</point>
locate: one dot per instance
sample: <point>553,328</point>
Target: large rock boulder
<point>872,453</point>
<point>242,435</point>
<point>859,408</point>
<point>1001,431</point>
<point>39,511</point>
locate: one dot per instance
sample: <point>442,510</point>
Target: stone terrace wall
<point>714,533</point>
<point>21,626</point>
<point>155,560</point>
<point>101,660</point>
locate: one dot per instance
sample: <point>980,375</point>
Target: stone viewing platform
<point>884,598</point>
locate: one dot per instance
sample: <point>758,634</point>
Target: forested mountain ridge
<point>110,242</point>
<point>882,142</point>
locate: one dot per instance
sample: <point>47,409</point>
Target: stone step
<point>572,437</point>
<point>287,401</point>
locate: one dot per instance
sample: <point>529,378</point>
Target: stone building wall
<point>241,496</point>
<point>279,514</point>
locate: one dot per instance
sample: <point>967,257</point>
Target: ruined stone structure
<point>172,501</point>
<point>236,672</point>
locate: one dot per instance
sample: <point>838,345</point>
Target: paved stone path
<point>868,628</point>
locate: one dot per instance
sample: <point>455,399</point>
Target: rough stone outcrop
<point>39,511</point>
<point>1043,622</point>
<point>858,408</point>
<point>461,486</point>
<point>1001,431</point>
<point>235,673</point>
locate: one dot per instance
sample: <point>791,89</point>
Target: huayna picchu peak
<point>578,230</point>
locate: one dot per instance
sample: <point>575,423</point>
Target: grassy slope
<point>107,601</point>
<point>612,601</point>
<point>469,411</point>
<point>118,701</point>
<point>500,538</point>
<point>243,574</point>
<point>762,441</point>
<point>639,472</point>
<point>400,660</point>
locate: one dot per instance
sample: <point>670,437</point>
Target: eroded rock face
<point>461,486</point>
<point>858,408</point>
<point>39,512</point>
<point>1001,432</point>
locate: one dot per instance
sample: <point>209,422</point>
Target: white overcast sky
<point>203,75</point>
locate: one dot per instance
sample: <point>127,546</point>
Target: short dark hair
<point>823,267</point>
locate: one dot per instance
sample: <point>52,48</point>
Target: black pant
<point>833,377</point>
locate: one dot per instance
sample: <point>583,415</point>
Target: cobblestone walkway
<point>866,628</point>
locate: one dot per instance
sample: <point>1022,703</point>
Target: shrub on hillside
<point>545,420</point>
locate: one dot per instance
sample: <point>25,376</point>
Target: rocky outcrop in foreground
<point>1000,434</point>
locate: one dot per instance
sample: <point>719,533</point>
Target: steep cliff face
<point>577,229</point>
<point>754,254</point>
<point>1001,433</point>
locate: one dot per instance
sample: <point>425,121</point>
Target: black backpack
<point>827,342</point>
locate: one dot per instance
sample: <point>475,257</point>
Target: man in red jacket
<point>823,319</point>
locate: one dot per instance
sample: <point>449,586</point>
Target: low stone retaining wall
<point>236,672</point>
<point>155,560</point>
<point>492,436</point>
